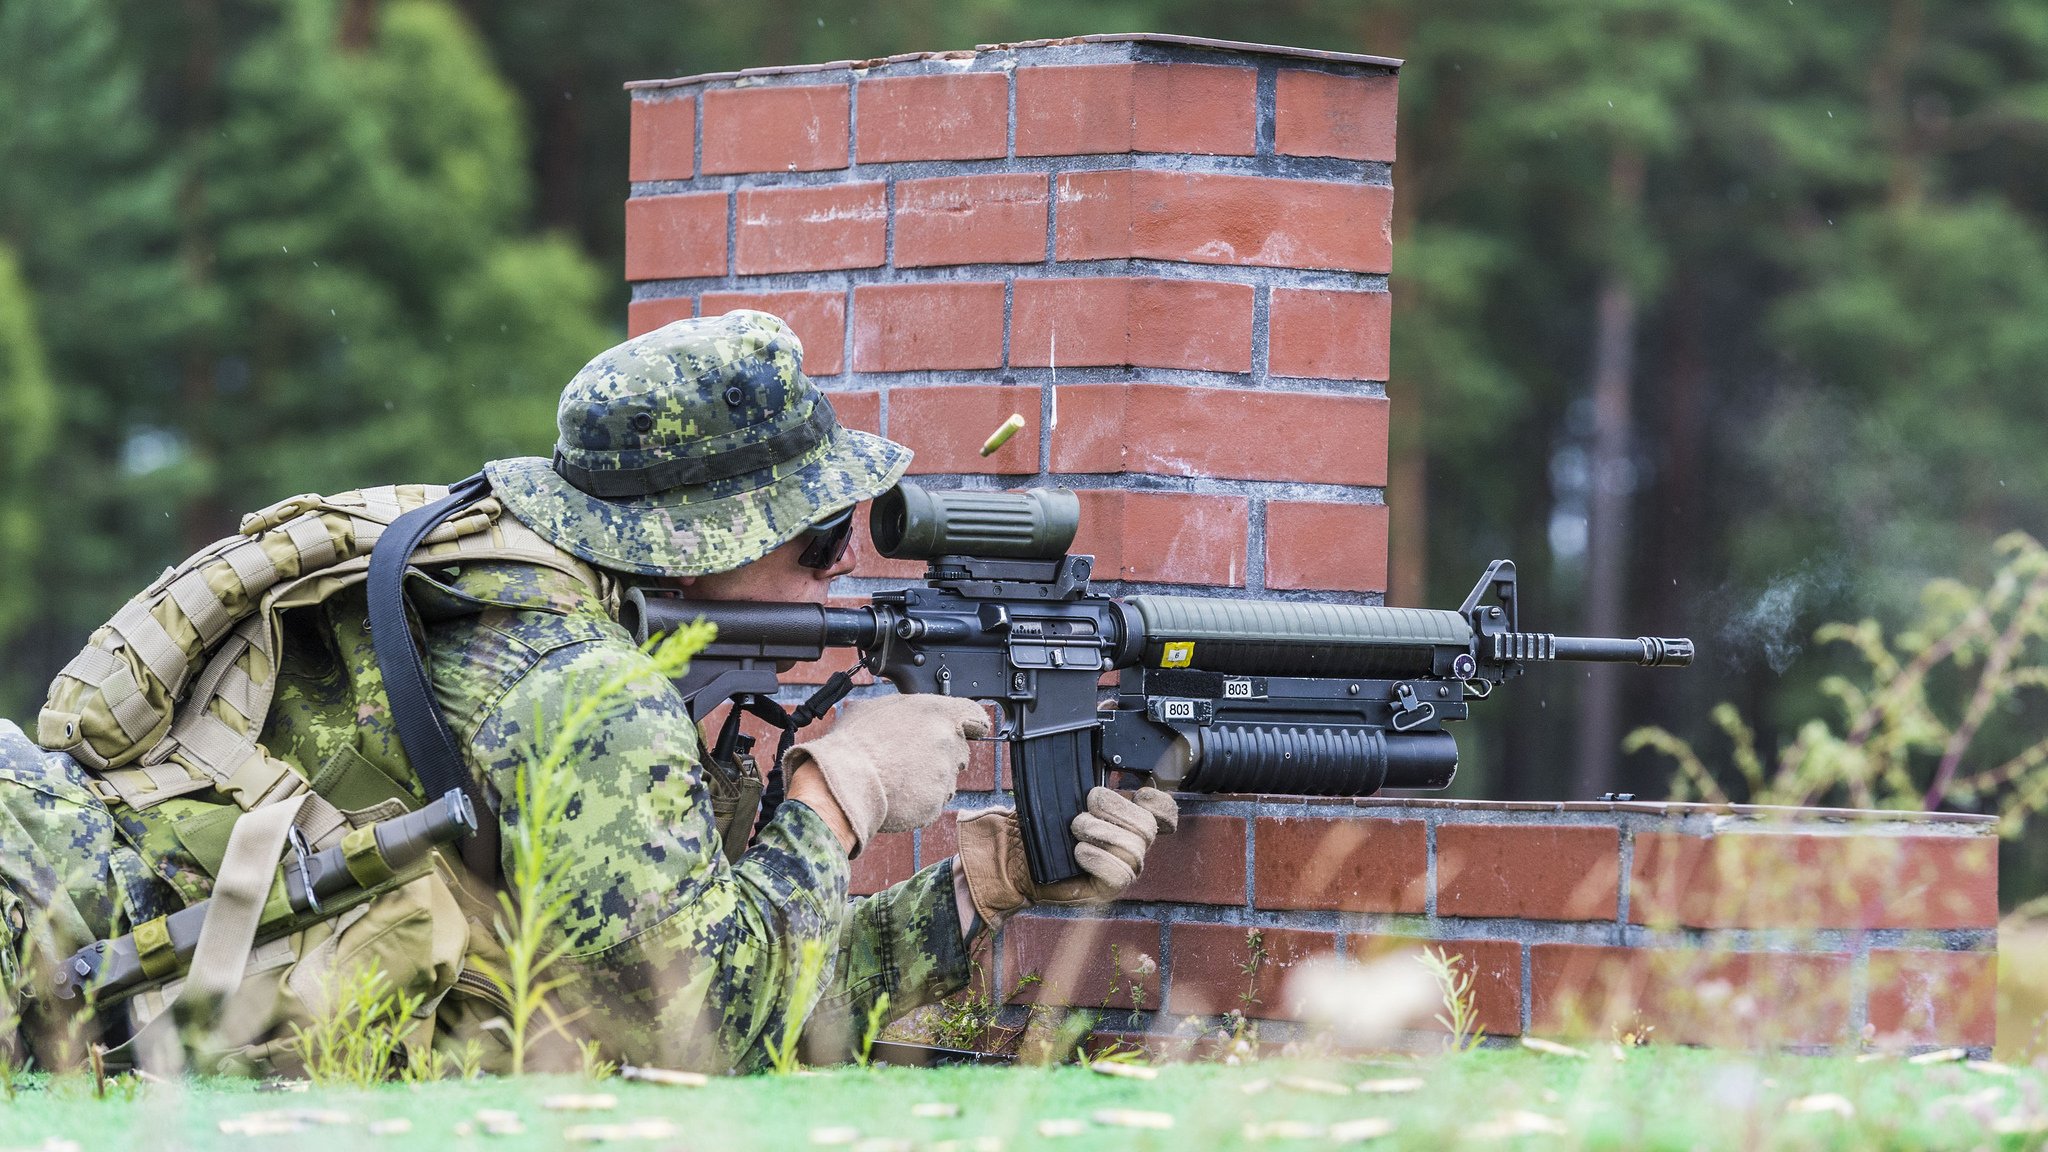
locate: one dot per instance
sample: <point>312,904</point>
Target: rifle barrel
<point>1647,651</point>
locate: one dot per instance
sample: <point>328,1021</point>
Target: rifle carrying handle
<point>1052,775</point>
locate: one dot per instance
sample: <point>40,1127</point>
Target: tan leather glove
<point>894,761</point>
<point>1114,833</point>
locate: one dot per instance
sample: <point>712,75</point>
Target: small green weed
<point>595,1066</point>
<point>1243,1040</point>
<point>1460,1016</point>
<point>878,1019</point>
<point>356,1042</point>
<point>785,1055</point>
<point>963,1020</point>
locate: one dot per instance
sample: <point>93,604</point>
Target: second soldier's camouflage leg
<point>65,880</point>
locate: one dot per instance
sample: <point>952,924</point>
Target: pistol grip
<point>1052,775</point>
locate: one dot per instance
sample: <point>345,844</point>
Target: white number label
<point>1236,689</point>
<point>1178,710</point>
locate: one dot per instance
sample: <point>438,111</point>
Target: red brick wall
<point>1171,259</point>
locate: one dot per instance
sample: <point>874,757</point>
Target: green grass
<point>1656,1098</point>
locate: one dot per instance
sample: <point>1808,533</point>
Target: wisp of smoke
<point>1766,623</point>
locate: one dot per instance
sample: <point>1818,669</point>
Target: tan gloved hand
<point>1114,833</point>
<point>894,761</point>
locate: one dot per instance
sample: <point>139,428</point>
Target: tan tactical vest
<point>168,699</point>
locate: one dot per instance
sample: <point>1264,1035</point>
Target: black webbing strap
<point>422,731</point>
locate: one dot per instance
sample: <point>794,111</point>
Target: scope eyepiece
<point>910,522</point>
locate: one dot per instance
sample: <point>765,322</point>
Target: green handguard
<point>316,885</point>
<point>1297,638</point>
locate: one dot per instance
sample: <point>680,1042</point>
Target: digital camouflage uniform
<point>678,958</point>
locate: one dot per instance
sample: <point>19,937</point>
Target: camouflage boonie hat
<point>692,449</point>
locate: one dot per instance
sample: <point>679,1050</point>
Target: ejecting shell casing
<point>1001,436</point>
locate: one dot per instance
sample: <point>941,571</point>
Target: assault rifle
<point>1213,695</point>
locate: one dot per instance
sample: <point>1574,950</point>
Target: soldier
<point>697,456</point>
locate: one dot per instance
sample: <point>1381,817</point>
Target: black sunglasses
<point>828,541</point>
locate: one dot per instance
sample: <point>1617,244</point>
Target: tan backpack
<point>168,700</point>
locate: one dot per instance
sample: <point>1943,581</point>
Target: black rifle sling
<point>422,731</point>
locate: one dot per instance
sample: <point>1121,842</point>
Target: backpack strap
<point>423,732</point>
<point>226,937</point>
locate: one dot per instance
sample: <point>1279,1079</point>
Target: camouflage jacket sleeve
<point>675,957</point>
<point>903,943</point>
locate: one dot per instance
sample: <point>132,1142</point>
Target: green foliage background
<point>256,247</point>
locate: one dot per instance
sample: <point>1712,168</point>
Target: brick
<point>1532,872</point>
<point>938,839</point>
<point>1924,997</point>
<point>886,859</point>
<point>1797,880</point>
<point>1141,321</point>
<point>1495,967</point>
<point>908,327</point>
<point>998,219</point>
<point>670,237</point>
<point>861,410</point>
<point>817,318</point>
<point>1169,430</point>
<point>811,229</point>
<point>1071,957</point>
<point>984,767</point>
<point>1347,865</point>
<point>1195,108</point>
<point>1214,971</point>
<point>663,140</point>
<point>959,117</point>
<point>1200,862</point>
<point>1329,335</point>
<point>1349,117</point>
<point>790,129</point>
<point>643,316</point>
<point>1703,996</point>
<point>1165,536</point>
<point>820,670</point>
<point>946,426</point>
<point>1339,547</point>
<point>1213,218</point>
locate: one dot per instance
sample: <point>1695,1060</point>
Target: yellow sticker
<point>1177,654</point>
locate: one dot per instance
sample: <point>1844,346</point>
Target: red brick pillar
<point>1169,258</point>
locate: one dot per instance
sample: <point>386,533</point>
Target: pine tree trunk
<point>561,154</point>
<point>1614,339</point>
<point>199,520</point>
<point>358,25</point>
<point>1384,30</point>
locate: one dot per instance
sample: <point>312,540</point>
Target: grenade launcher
<point>1212,695</point>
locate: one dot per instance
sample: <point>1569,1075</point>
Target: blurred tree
<point>379,314</point>
<point>28,416</point>
<point>85,206</point>
<point>277,245</point>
